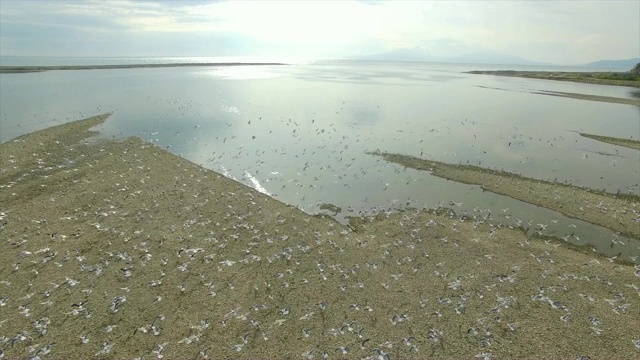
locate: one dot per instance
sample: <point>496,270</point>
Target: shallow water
<point>300,132</point>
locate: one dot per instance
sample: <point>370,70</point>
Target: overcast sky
<point>561,32</point>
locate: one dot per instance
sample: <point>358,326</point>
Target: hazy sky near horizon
<point>560,32</point>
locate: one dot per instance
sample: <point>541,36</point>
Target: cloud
<point>562,32</point>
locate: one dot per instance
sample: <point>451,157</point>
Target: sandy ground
<point>578,96</point>
<point>630,143</point>
<point>118,249</point>
<point>607,99</point>
<point>589,78</point>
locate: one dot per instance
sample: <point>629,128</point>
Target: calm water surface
<point>300,132</point>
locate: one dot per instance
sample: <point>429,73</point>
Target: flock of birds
<point>227,272</point>
<point>153,261</point>
<point>285,260</point>
<point>318,158</point>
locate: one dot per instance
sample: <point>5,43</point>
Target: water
<point>300,132</point>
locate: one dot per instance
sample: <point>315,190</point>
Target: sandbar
<point>589,97</point>
<point>570,95</point>
<point>618,212</point>
<point>31,69</point>
<point>602,78</point>
<point>629,143</point>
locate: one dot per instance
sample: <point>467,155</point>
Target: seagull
<point>408,341</point>
<point>382,355</point>
<point>106,348</point>
<point>542,226</point>
<point>363,343</point>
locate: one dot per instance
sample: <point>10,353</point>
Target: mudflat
<point>119,249</point>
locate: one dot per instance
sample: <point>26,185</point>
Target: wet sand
<point>607,99</point>
<point>30,69</point>
<point>618,212</point>
<point>629,143</point>
<point>602,78</point>
<point>588,97</point>
<point>119,249</point>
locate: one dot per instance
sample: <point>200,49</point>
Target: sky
<point>558,32</point>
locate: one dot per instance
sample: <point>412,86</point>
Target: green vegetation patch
<point>330,207</point>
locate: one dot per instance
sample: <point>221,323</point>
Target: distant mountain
<point>492,58</point>
<point>481,57</point>
<point>416,54</point>
<point>623,64</point>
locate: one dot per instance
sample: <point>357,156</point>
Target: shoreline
<point>600,78</point>
<point>613,211</point>
<point>599,98</point>
<point>578,96</point>
<point>119,249</point>
<point>628,143</point>
<point>31,69</point>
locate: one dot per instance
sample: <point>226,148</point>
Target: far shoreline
<point>600,78</point>
<point>32,69</point>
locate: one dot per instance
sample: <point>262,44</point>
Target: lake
<point>300,132</point>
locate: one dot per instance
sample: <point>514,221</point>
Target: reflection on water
<point>239,73</point>
<point>299,133</point>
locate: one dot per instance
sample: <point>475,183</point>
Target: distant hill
<point>423,55</point>
<point>403,55</point>
<point>484,57</point>
<point>623,64</point>
<point>493,58</point>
